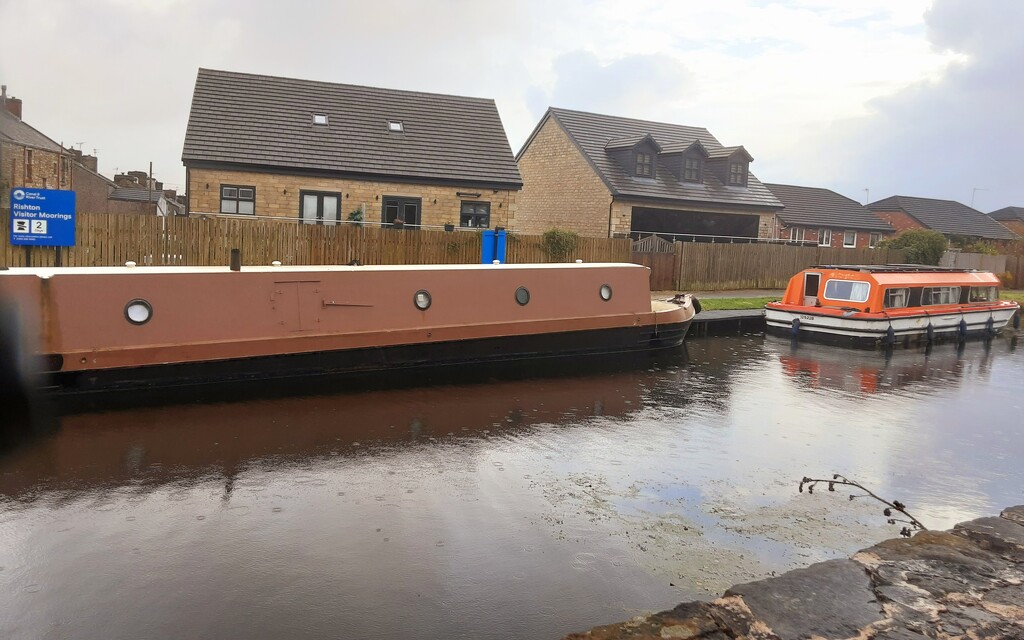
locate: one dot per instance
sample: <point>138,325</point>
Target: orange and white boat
<point>886,305</point>
<point>133,328</point>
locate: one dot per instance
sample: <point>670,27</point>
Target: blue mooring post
<point>487,248</point>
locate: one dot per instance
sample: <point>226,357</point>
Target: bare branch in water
<point>895,505</point>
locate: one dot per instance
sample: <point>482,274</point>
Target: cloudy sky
<point>870,98</point>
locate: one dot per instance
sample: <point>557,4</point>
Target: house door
<point>319,207</point>
<point>405,209</point>
<point>811,283</point>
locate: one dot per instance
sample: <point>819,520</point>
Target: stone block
<point>832,599</point>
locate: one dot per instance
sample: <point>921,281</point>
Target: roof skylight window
<point>396,126</point>
<point>320,118</point>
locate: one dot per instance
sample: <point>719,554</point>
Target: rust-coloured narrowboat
<point>888,305</point>
<point>133,327</point>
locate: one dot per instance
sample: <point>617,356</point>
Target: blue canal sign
<point>42,217</point>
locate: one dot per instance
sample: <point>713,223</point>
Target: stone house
<point>1010,217</point>
<point>28,158</point>
<point>323,153</point>
<point>608,176</point>
<point>813,215</point>
<point>948,217</point>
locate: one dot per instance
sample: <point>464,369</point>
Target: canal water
<point>499,509</point>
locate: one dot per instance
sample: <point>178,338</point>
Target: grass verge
<point>730,304</point>
<point>1015,295</point>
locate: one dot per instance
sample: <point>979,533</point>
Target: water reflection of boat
<point>815,366</point>
<point>161,444</point>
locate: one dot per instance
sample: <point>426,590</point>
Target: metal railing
<point>334,223</point>
<point>637,234</point>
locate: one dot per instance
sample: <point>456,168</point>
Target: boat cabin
<point>885,288</point>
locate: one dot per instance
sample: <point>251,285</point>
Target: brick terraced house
<point>1010,217</point>
<point>948,217</point>
<point>607,176</point>
<point>320,153</point>
<point>826,218</point>
<point>28,158</point>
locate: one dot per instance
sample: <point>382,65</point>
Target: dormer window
<point>691,169</point>
<point>737,174</point>
<point>320,119</point>
<point>396,126</point>
<point>644,164</point>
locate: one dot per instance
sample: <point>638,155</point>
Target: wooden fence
<point>707,267</point>
<point>110,239</point>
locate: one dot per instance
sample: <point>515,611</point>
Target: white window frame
<point>824,237</point>
<point>796,234</point>
<point>852,245</point>
<point>866,289</point>
<point>947,295</point>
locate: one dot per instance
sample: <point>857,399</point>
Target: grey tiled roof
<point>817,207</point>
<point>267,121</point>
<point>16,131</point>
<point>946,216</point>
<point>1008,213</point>
<point>131,193</point>
<point>591,132</point>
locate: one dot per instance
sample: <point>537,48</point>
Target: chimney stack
<point>10,103</point>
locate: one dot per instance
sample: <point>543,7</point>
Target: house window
<point>874,239</point>
<point>400,211</point>
<point>847,290</point>
<point>320,118</point>
<point>737,174</point>
<point>691,170</point>
<point>940,295</point>
<point>824,237</point>
<point>849,239</point>
<point>475,214</point>
<point>28,165</point>
<point>236,199</point>
<point>796,234</point>
<point>318,207</point>
<point>644,164</point>
<point>396,126</point>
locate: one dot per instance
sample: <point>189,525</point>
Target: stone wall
<point>560,188</point>
<point>277,195</point>
<point>967,583</point>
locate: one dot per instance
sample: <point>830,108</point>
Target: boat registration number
<point>803,317</point>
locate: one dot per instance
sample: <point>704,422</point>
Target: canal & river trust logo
<point>18,194</point>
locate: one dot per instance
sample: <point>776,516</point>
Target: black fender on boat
<point>696,304</point>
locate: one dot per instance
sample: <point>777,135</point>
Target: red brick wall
<point>91,191</point>
<point>811,235</point>
<point>899,220</point>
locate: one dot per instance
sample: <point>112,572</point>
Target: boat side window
<point>983,294</point>
<point>847,290</point>
<point>896,298</point>
<point>940,295</point>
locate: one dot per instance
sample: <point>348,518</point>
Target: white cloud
<point>773,76</point>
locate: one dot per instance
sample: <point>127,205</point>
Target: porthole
<point>522,296</point>
<point>422,299</point>
<point>138,311</point>
<point>606,292</point>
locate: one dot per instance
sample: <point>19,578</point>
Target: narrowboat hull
<point>142,330</point>
<point>862,331</point>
